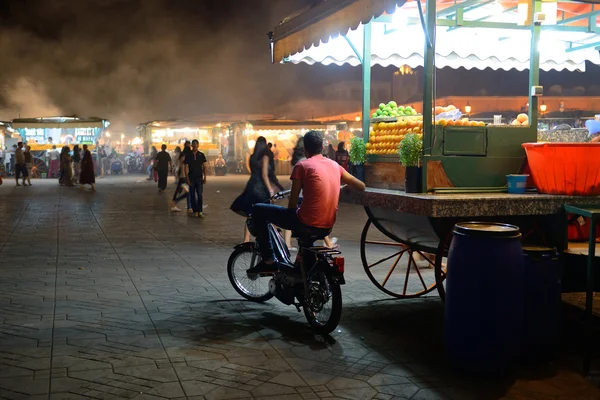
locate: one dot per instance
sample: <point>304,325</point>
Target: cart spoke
<point>391,270</point>
<point>420,276</point>
<point>387,258</point>
<point>431,261</point>
<point>410,261</point>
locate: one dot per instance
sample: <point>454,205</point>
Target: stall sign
<point>35,134</point>
<point>85,139</point>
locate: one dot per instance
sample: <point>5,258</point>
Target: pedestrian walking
<point>76,162</point>
<point>87,176</point>
<point>20,167</point>
<point>101,156</point>
<point>162,164</point>
<point>66,169</point>
<point>54,162</point>
<point>272,175</point>
<point>182,190</point>
<point>258,189</point>
<point>195,169</point>
<point>28,163</point>
<point>153,153</point>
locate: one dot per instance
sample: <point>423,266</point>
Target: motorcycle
<point>116,166</point>
<point>311,282</point>
<point>135,163</point>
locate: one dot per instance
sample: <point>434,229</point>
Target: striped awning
<point>325,19</point>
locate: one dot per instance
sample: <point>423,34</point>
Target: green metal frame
<point>366,76</point>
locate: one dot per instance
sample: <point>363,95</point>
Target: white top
<point>52,154</point>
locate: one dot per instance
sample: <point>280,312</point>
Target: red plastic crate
<point>565,168</point>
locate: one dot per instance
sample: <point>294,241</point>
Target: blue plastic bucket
<point>516,183</point>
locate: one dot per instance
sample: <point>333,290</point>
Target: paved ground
<point>107,295</point>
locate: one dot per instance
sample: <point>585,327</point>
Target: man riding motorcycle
<point>319,180</point>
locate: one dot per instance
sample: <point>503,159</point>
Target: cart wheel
<point>395,267</point>
<point>38,168</point>
<point>441,266</point>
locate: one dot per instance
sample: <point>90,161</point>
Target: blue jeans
<point>282,217</point>
<point>178,196</point>
<point>196,194</point>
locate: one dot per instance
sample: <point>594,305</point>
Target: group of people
<point>189,168</point>
<point>68,168</point>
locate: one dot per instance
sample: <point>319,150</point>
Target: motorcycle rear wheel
<point>256,289</point>
<point>322,287</point>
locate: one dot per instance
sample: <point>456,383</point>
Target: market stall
<point>459,154</point>
<point>45,132</point>
<point>174,133</point>
<point>463,163</point>
<point>283,134</point>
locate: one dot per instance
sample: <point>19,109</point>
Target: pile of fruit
<point>521,120</point>
<point>459,122</point>
<point>386,136</point>
<point>391,109</point>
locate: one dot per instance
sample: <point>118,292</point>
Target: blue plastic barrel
<point>541,335</point>
<point>484,298</point>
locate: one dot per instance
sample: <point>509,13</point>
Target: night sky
<point>137,60</point>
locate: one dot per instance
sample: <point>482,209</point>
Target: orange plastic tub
<point>565,168</point>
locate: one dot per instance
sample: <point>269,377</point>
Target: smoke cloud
<point>136,60</point>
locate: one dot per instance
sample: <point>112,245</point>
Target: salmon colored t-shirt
<point>320,179</point>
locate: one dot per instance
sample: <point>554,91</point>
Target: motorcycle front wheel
<point>323,306</point>
<point>254,288</point>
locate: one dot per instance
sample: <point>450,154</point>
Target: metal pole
<point>534,61</point>
<point>366,82</point>
<point>428,76</point>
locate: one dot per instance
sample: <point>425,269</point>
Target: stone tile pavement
<point>107,295</point>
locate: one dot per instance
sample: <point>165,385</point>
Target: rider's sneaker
<point>175,209</point>
<point>263,268</point>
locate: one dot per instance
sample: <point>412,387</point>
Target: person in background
<point>76,162</point>
<point>153,153</point>
<point>182,190</point>
<point>272,176</point>
<point>341,156</point>
<point>28,163</point>
<point>162,165</point>
<point>101,159</point>
<point>10,160</point>
<point>319,179</point>
<point>330,152</point>
<point>176,155</point>
<point>87,176</point>
<point>275,156</point>
<point>20,167</point>
<point>258,189</point>
<point>66,169</point>
<point>54,163</point>
<point>195,173</point>
<point>220,166</point>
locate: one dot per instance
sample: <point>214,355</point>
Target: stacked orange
<point>386,136</point>
<point>459,122</point>
<point>521,120</point>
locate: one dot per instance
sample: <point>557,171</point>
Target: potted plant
<point>358,150</point>
<point>410,151</point>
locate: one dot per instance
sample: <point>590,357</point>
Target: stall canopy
<point>71,122</point>
<point>471,34</point>
<point>322,20</point>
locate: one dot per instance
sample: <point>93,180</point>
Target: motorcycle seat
<point>310,237</point>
